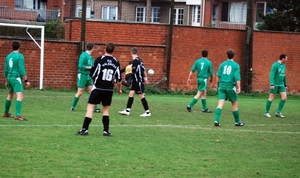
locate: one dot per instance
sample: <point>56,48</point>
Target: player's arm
<point>211,73</point>
<point>238,86</point>
<point>284,81</point>
<point>82,63</point>
<point>189,77</point>
<point>118,80</point>
<point>272,75</point>
<point>23,71</point>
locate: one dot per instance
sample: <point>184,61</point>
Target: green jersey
<point>85,60</point>
<point>204,68</point>
<point>14,66</point>
<point>277,74</point>
<point>229,74</point>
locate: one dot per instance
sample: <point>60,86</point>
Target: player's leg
<point>270,100</point>
<point>203,97</point>
<point>194,101</point>
<point>8,101</point>
<point>106,102</point>
<point>130,100</point>
<point>92,101</point>
<point>89,88</point>
<point>145,105</point>
<point>18,88</point>
<point>222,95</point>
<point>283,95</point>
<point>81,84</point>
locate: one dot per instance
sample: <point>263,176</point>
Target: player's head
<point>134,50</point>
<point>282,56</point>
<point>204,53</point>
<point>230,53</point>
<point>15,45</point>
<point>90,46</point>
<point>109,48</point>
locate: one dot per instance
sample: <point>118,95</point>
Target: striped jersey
<point>105,71</point>
<point>138,69</point>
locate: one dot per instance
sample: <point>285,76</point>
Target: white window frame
<point>154,15</point>
<point>79,10</point>
<point>29,5</point>
<point>109,13</point>
<point>196,15</point>
<point>237,12</point>
<point>177,13</point>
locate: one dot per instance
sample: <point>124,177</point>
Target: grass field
<point>170,143</point>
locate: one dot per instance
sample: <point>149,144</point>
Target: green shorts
<point>202,84</point>
<point>227,94</point>
<point>15,85</point>
<point>84,80</point>
<point>278,89</point>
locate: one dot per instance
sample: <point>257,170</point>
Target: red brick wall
<point>151,39</point>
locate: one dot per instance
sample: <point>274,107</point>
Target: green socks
<point>75,101</point>
<point>7,106</point>
<point>236,116</point>
<point>280,106</point>
<point>218,115</point>
<point>193,102</point>
<point>268,105</point>
<point>203,104</point>
<point>18,107</point>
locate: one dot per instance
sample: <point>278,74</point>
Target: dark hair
<point>230,53</point>
<point>15,45</point>
<point>204,53</point>
<point>282,56</point>
<point>130,62</point>
<point>89,46</point>
<point>134,50</point>
<point>109,48</point>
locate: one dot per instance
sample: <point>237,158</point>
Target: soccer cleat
<point>124,112</point>
<point>106,133</point>
<point>189,109</point>
<point>279,115</point>
<point>217,124</point>
<point>206,111</point>
<point>146,114</point>
<point>82,132</point>
<point>240,123</point>
<point>8,115</point>
<point>97,110</point>
<point>72,109</point>
<point>20,118</point>
<point>267,115</point>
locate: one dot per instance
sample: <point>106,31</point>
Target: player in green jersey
<point>84,80</point>
<point>229,86</point>
<point>277,85</point>
<point>14,73</point>
<point>205,71</point>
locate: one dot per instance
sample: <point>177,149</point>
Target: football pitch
<point>170,143</point>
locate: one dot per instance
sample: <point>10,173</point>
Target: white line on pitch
<point>166,126</point>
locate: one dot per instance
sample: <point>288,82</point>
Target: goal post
<point>41,45</point>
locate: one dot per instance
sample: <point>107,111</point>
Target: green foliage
<point>54,29</point>
<point>171,143</point>
<point>285,17</point>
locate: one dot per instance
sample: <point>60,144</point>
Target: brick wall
<point>61,57</point>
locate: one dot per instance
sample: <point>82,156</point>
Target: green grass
<point>170,143</point>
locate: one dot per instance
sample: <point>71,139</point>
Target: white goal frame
<point>41,46</point>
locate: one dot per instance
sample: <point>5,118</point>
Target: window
<point>109,13</point>
<point>262,8</point>
<point>29,4</point>
<point>178,16</point>
<point>196,14</point>
<point>140,15</point>
<point>78,11</point>
<point>234,12</point>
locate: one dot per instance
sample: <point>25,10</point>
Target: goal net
<point>40,45</point>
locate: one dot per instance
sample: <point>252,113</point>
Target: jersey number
<point>227,70</point>
<point>107,74</point>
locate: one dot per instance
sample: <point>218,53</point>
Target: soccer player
<point>277,85</point>
<point>229,81</point>
<point>137,86</point>
<point>104,72</point>
<point>83,77</point>
<point>14,73</point>
<point>205,70</point>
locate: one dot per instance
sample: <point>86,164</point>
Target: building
<point>203,13</point>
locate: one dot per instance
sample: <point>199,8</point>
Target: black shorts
<point>100,96</point>
<point>138,87</point>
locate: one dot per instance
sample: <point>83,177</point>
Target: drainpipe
<point>203,11</point>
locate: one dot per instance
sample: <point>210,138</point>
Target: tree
<point>285,16</point>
